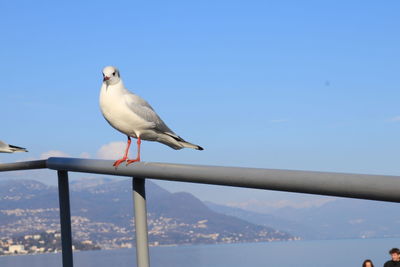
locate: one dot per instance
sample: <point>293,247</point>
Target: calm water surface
<point>330,253</point>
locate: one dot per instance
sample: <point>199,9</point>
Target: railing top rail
<point>363,186</point>
<point>23,165</point>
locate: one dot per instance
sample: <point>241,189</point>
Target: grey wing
<point>2,144</point>
<point>143,109</point>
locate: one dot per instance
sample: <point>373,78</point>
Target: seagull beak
<point>106,78</point>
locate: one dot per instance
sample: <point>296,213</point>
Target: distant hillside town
<point>102,218</point>
<point>45,242</point>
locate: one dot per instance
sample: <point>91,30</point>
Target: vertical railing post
<point>65,219</point>
<point>139,201</point>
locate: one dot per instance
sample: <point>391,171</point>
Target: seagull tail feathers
<point>177,142</point>
<point>190,145</point>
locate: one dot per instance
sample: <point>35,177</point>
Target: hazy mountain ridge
<point>273,221</point>
<point>349,218</point>
<point>341,218</point>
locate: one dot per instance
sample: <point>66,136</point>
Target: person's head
<point>395,253</point>
<point>368,263</point>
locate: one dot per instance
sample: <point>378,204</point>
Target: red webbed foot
<point>118,162</point>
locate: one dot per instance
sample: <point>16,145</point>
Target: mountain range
<point>337,219</point>
<point>102,212</point>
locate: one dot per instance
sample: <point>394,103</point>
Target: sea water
<point>320,253</point>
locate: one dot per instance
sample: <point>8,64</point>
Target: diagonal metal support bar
<point>363,186</point>
<point>139,201</point>
<point>65,219</point>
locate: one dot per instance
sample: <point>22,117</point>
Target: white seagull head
<point>111,75</point>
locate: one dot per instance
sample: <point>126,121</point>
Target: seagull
<point>6,148</point>
<point>134,117</point>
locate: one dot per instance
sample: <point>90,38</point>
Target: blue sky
<point>273,84</point>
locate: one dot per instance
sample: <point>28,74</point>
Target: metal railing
<point>362,186</point>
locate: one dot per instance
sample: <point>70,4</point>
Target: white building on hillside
<point>16,249</point>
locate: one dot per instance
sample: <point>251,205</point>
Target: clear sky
<point>308,85</point>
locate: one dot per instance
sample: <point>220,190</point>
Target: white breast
<point>117,112</point>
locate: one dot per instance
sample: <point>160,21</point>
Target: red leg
<point>138,153</point>
<point>125,157</point>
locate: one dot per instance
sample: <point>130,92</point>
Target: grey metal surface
<point>65,219</point>
<point>139,201</point>
<point>363,186</point>
<point>24,165</point>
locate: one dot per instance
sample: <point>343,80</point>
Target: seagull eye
<point>103,74</point>
<point>114,73</point>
